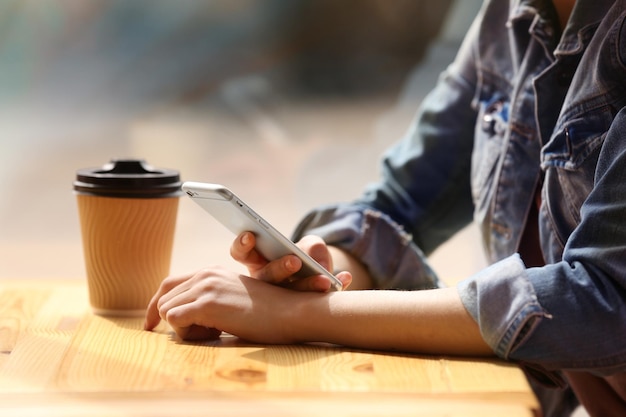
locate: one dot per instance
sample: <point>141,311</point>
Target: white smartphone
<point>238,217</point>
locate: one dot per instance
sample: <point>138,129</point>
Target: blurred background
<point>289,103</point>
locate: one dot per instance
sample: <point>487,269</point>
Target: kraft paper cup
<point>127,212</point>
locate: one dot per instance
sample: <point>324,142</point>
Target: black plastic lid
<point>128,178</point>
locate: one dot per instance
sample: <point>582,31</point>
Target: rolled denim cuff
<point>503,302</point>
<point>391,257</point>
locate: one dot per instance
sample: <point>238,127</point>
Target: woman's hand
<point>202,304</point>
<point>281,271</point>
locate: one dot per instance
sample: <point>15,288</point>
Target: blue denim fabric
<point>520,107</point>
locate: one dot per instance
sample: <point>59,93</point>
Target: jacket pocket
<point>489,136</point>
<point>569,160</point>
<point>578,138</point>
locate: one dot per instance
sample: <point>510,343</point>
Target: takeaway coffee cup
<point>127,212</point>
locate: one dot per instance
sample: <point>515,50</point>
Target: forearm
<point>431,321</point>
<point>343,261</point>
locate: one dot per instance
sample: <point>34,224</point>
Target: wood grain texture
<point>58,357</point>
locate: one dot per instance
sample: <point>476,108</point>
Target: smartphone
<point>238,217</point>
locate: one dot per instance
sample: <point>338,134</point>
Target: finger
<point>242,250</point>
<point>319,283</point>
<point>317,249</point>
<point>316,283</point>
<point>174,300</point>
<point>181,313</point>
<point>152,314</point>
<point>195,332</point>
<point>276,272</point>
<point>346,279</point>
<point>176,291</point>
<point>152,311</point>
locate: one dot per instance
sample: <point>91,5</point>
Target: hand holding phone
<point>238,217</point>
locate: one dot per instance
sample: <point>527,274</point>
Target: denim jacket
<point>522,108</point>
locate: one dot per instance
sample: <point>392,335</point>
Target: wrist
<point>344,261</point>
<point>306,317</point>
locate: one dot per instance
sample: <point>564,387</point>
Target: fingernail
<point>245,239</point>
<point>322,285</point>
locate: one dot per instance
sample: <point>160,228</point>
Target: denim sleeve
<point>503,301</point>
<point>423,196</point>
<point>425,177</point>
<point>569,315</point>
<point>392,259</point>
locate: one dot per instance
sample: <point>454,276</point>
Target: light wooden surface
<point>58,359</point>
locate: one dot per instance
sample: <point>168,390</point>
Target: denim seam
<point>509,342</point>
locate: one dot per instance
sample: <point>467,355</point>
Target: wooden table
<point>58,359</point>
